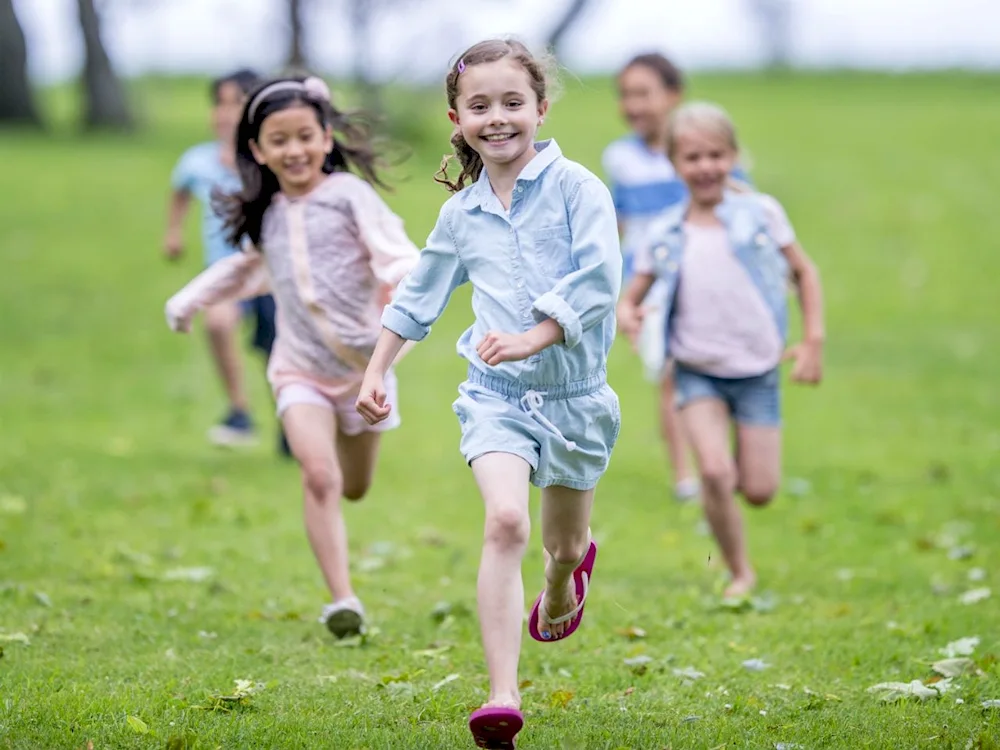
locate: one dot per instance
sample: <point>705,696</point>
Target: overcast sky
<point>420,37</point>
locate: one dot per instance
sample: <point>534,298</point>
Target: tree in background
<point>17,104</point>
<point>107,107</point>
<point>774,17</point>
<point>571,15</point>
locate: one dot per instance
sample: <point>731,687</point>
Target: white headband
<point>312,87</point>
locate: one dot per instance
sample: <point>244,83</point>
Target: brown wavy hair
<point>488,51</point>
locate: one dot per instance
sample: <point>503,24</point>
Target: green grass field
<point>142,573</point>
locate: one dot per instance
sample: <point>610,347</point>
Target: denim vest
<point>746,225</point>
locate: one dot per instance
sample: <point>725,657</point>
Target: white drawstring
<point>532,402</point>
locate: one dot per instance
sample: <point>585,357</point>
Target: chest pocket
<point>552,247</point>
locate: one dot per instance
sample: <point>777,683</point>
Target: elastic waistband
<point>516,389</point>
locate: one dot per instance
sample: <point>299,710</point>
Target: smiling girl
<point>330,249</point>
<point>535,235</point>
<point>724,257</point>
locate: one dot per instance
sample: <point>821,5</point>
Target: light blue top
<point>555,255</point>
<point>199,171</point>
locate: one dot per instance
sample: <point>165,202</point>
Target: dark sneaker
<point>235,431</point>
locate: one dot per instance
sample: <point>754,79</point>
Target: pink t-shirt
<point>326,257</point>
<point>722,326</point>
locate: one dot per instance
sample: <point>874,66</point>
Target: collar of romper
<point>480,191</point>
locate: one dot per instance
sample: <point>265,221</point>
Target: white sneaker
<point>687,490</point>
<point>344,618</point>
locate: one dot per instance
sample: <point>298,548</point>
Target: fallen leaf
<point>798,487</point>
<point>560,699</point>
<point>370,564</point>
<point>638,664</point>
<point>137,725</point>
<point>632,633</point>
<point>450,678</point>
<point>194,575</point>
<point>954,667</point>
<point>432,653</point>
<point>961,647</point>
<point>524,684</point>
<point>764,603</point>
<point>443,610</point>
<point>432,538</point>
<point>974,596</point>
<point>895,691</point>
<point>689,673</point>
<point>629,691</point>
<point>12,505</point>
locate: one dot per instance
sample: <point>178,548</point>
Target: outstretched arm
<point>238,276</point>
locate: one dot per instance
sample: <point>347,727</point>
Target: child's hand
<point>506,347</point>
<point>630,319</point>
<point>371,399</point>
<point>808,359</point>
<point>178,323</point>
<point>173,244</point>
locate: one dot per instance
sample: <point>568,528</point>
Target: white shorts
<point>349,422</point>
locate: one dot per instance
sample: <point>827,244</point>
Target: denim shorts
<point>752,401</point>
<point>564,432</point>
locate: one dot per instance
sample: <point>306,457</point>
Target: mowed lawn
<point>143,573</point>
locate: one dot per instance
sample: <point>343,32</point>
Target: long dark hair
<point>352,147</point>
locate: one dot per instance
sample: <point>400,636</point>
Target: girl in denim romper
<point>724,257</point>
<point>535,235</point>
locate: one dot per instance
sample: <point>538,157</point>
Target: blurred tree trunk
<point>360,17</point>
<point>296,62</point>
<point>17,105</point>
<point>106,104</point>
<point>774,17</point>
<point>566,22</point>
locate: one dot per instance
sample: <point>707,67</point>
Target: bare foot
<point>740,586</point>
<point>557,601</point>
<point>504,701</point>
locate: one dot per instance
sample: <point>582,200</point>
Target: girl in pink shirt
<point>725,256</point>
<point>331,252</point>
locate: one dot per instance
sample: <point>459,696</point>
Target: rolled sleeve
<point>424,293</point>
<point>585,297</point>
<point>553,306</point>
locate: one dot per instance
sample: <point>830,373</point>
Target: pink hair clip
<point>317,88</point>
<point>461,66</point>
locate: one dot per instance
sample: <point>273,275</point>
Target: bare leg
<point>758,456</point>
<point>675,439</point>
<point>311,431</point>
<point>358,455</point>
<point>565,536</point>
<point>221,324</point>
<point>707,423</point>
<point>503,483</point>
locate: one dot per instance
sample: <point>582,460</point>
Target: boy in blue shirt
<point>201,170</point>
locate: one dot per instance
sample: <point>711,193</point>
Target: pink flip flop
<point>581,577</point>
<point>496,727</point>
